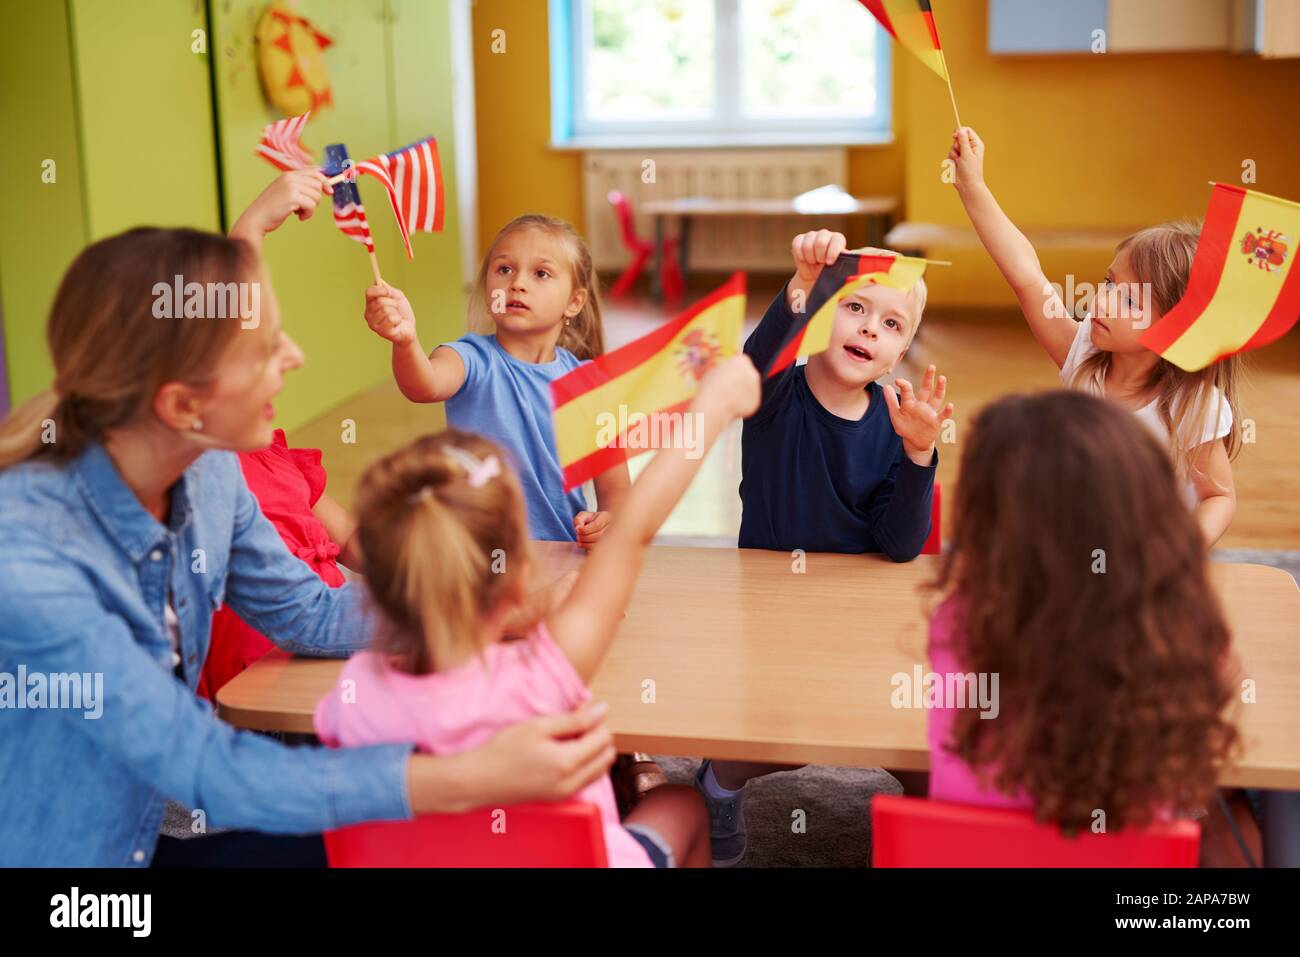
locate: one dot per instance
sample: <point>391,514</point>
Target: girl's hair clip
<point>477,471</point>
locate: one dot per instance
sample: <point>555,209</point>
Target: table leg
<point>684,248</point>
<point>877,226</point>
<point>657,260</point>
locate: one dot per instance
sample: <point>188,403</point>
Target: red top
<point>286,483</point>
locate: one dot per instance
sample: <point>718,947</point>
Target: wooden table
<point>728,653</point>
<point>877,210</point>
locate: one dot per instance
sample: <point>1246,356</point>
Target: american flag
<point>350,215</point>
<point>280,145</point>
<point>413,178</point>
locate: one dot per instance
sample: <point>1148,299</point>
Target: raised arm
<point>420,377</point>
<point>1011,251</point>
<point>585,624</point>
<point>297,192</point>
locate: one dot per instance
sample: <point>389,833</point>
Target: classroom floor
<point>985,354</point>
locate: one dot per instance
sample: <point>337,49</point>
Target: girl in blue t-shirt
<point>538,288</point>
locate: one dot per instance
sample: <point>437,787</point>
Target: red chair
<point>567,834</point>
<point>670,274</point>
<point>934,544</point>
<point>913,832</point>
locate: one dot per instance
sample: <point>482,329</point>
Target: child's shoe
<point>726,819</point>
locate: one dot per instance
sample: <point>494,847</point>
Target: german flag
<point>849,273</point>
<point>911,23</point>
<point>623,403</point>
<point>1244,289</point>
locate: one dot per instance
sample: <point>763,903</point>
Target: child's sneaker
<point>726,822</point>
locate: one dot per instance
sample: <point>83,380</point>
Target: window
<point>665,72</point>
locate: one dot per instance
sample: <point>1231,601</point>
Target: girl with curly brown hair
<point>1077,581</point>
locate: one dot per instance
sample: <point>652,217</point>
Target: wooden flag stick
<point>946,74</point>
<point>374,268</point>
<point>867,250</point>
<point>952,96</point>
<point>335,180</point>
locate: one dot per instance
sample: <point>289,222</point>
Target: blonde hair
<point>1162,256</point>
<point>584,334</point>
<point>441,553</point>
<point>916,296</point>
<point>111,354</point>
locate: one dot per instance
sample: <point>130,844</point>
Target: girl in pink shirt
<point>444,535</point>
<point>1078,580</point>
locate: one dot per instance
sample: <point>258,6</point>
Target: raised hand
<point>918,414</point>
<point>389,314</point>
<point>297,191</point>
<point>814,250</point>
<point>967,156</point>
<point>734,386</point>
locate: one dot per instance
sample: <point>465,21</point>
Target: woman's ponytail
<point>31,428</point>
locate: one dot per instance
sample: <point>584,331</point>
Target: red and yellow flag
<point>849,273</point>
<point>623,403</point>
<point>1244,289</point>
<point>911,23</point>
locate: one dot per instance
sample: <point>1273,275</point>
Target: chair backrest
<point>934,544</point>
<point>913,832</point>
<point>567,834</point>
<point>623,212</point>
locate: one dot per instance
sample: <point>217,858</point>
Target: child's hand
<point>918,416</point>
<point>967,154</point>
<point>734,385</point>
<point>297,191</point>
<point>812,251</point>
<point>389,314</point>
<point>590,526</point>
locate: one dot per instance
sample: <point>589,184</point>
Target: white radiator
<point>717,244</point>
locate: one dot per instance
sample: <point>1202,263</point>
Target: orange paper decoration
<point>291,61</point>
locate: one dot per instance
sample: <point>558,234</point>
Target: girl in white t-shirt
<point>1192,413</point>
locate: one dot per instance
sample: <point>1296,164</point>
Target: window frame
<point>571,128</point>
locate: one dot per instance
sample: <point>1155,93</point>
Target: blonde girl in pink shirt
<point>442,527</point>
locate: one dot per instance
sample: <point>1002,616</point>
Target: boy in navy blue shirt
<point>832,461</point>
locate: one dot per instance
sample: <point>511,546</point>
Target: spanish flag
<point>849,273</point>
<point>1244,289</point>
<point>911,23</point>
<point>630,400</point>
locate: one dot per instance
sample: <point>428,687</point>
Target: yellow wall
<point>1108,140</point>
<point>1104,140</point>
<point>518,172</point>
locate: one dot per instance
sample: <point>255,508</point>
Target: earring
<point>197,426</point>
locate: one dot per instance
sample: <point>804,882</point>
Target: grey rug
<point>836,818</point>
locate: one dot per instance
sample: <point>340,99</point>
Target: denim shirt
<point>85,576</point>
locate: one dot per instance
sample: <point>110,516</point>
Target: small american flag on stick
<point>280,144</point>
<point>350,215</point>
<point>413,178</point>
